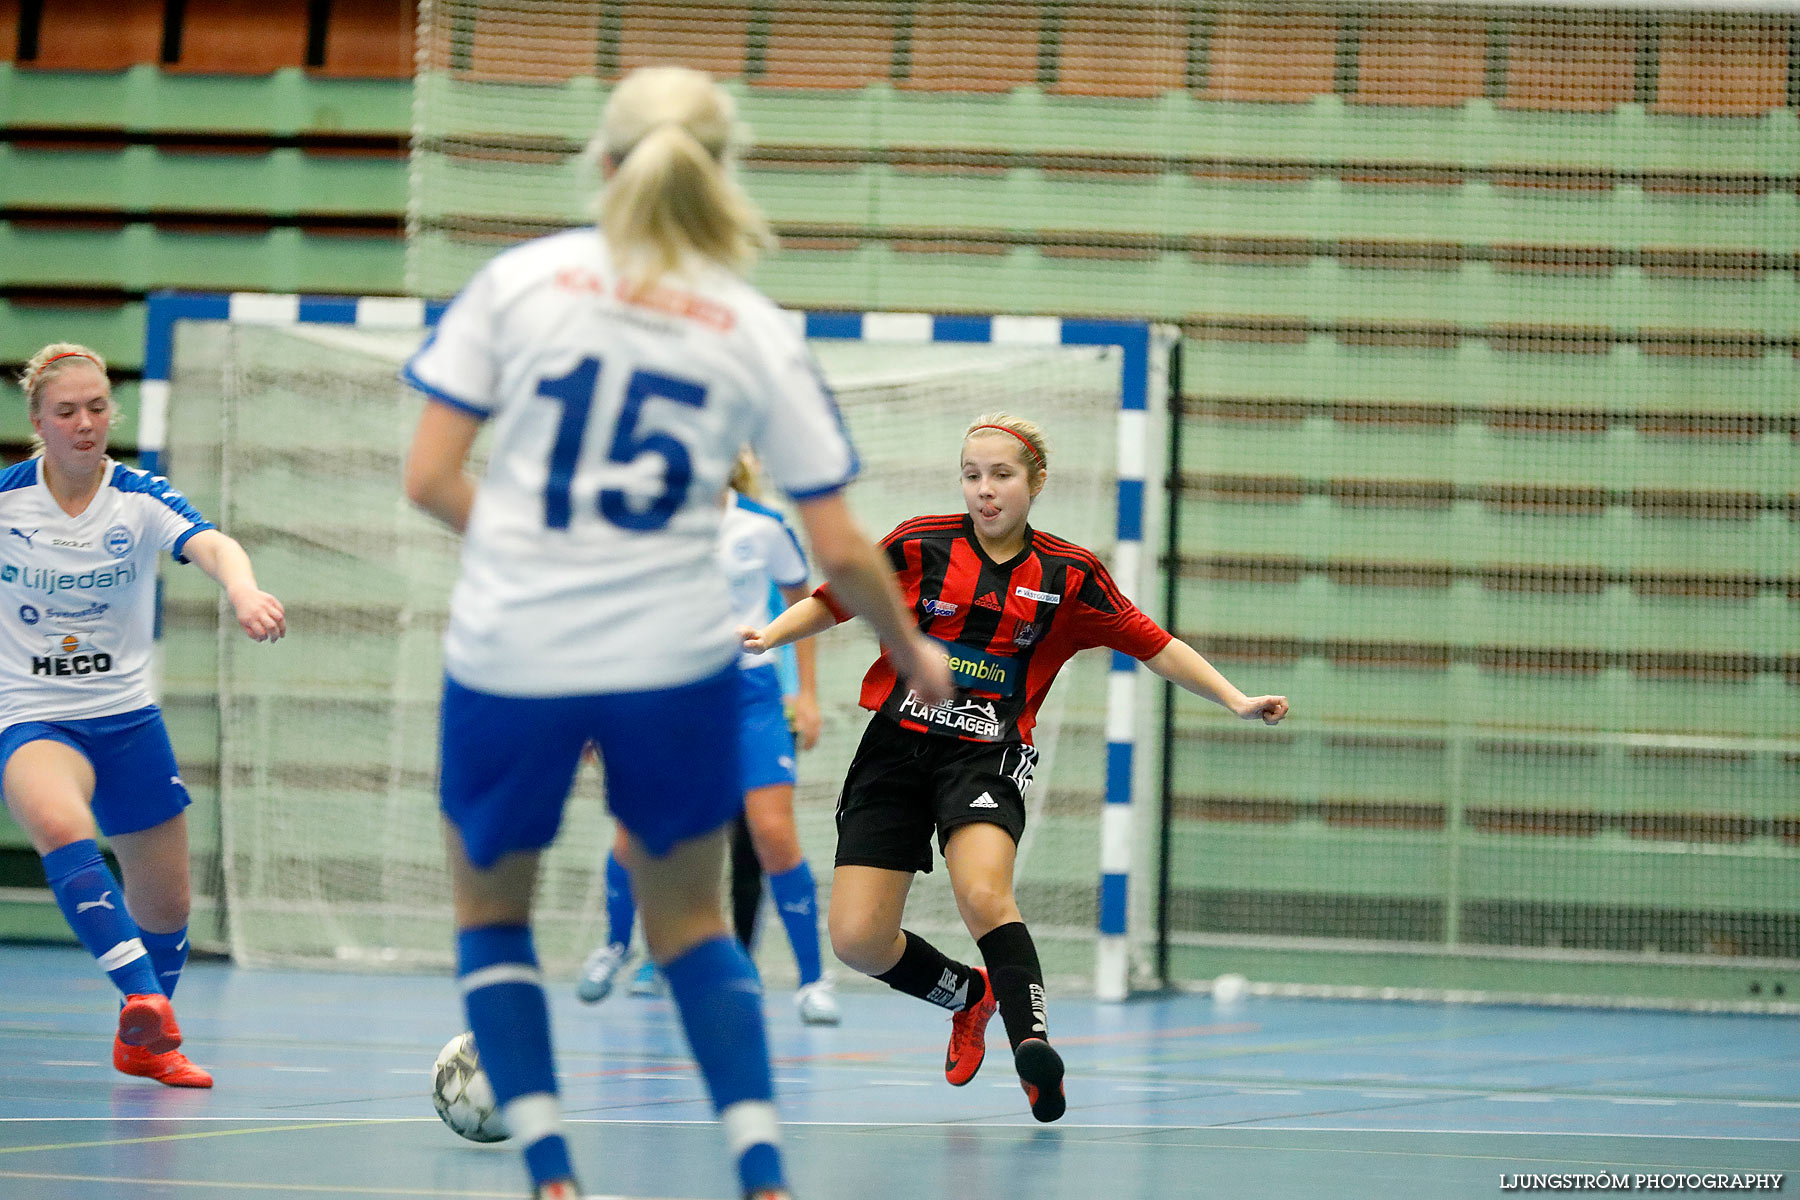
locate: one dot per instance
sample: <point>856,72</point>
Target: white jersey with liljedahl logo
<point>758,553</point>
<point>79,592</point>
<point>590,561</point>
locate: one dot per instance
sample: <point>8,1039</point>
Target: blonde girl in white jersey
<point>82,745</point>
<point>622,370</point>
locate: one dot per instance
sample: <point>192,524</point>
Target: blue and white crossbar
<point>1133,338</point>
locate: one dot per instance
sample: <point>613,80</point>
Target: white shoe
<point>817,1003</point>
<point>648,981</point>
<point>600,971</point>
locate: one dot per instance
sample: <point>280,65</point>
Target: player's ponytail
<point>668,137</point>
<point>746,475</point>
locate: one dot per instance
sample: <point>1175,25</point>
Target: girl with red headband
<point>1009,605</point>
<point>82,745</point>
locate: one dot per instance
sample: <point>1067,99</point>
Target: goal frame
<point>1136,342</point>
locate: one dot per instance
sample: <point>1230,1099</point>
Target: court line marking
<point>179,1137</point>
<point>314,1189</point>
<point>1149,1036</point>
<point>876,1126</point>
<point>1253,1083</point>
<point>1412,1154</point>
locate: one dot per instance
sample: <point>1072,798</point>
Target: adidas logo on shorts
<point>984,801</point>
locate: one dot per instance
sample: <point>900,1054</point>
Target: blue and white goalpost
<point>909,382</point>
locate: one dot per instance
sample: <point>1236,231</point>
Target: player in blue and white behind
<point>621,370</point>
<point>762,561</point>
<point>82,743</point>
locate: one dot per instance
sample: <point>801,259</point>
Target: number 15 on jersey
<point>575,392</point>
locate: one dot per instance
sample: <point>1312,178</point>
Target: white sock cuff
<point>125,952</point>
<point>501,973</point>
<point>532,1118</point>
<point>750,1123</point>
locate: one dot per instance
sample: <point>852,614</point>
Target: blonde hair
<point>49,363</point>
<point>1034,450</point>
<point>746,475</point>
<point>52,361</point>
<point>668,134</point>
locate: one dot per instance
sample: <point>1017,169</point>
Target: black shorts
<point>903,785</point>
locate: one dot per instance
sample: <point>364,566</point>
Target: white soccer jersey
<point>75,632</point>
<point>590,562</point>
<point>757,550</point>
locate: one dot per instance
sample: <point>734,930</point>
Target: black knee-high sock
<point>926,972</point>
<point>746,884</point>
<point>1012,963</point>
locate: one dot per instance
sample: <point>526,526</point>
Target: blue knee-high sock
<point>503,995</point>
<point>621,906</point>
<point>720,1002</point>
<point>168,954</point>
<point>796,899</point>
<point>94,904</point>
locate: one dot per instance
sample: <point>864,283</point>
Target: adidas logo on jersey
<point>984,801</point>
<point>989,601</point>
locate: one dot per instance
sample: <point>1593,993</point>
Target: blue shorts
<point>670,757</point>
<point>137,785</point>
<point>765,742</point>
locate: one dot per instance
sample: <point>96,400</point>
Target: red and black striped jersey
<point>1008,627</point>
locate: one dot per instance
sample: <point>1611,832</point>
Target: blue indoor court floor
<point>323,1080</point>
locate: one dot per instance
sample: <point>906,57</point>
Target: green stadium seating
<point>120,181</point>
<point>1610,376</point>
<point>137,256</point>
<point>286,103</point>
<point>274,181</point>
<point>1489,375</point>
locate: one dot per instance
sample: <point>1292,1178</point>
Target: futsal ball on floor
<point>462,1095</point>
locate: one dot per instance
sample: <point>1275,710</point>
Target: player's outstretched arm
<point>1183,666</point>
<point>260,614</point>
<point>435,479</point>
<point>804,618</point>
<point>862,582</point>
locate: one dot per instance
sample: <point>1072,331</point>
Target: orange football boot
<point>171,1067</point>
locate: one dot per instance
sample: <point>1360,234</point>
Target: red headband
<point>45,365</point>
<point>1023,441</point>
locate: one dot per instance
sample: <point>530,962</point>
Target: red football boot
<point>149,1022</point>
<point>968,1035</point>
<point>170,1067</point>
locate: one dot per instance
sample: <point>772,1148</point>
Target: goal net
<point>1488,378</point>
<point>329,845</point>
